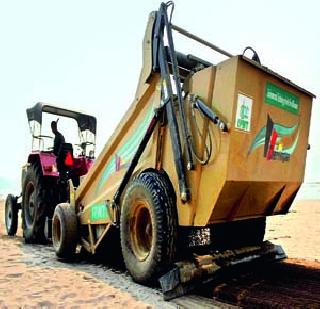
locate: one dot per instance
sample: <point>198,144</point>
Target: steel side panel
<point>109,168</point>
<point>145,88</point>
<point>236,184</point>
<point>244,165</point>
<point>214,174</point>
<point>242,183</point>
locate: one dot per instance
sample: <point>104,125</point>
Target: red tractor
<point>53,166</point>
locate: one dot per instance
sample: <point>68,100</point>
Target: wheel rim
<point>30,203</point>
<point>141,229</point>
<point>56,235</point>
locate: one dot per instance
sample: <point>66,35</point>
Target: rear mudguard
<point>47,161</point>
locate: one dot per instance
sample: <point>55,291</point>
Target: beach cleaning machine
<point>202,156</point>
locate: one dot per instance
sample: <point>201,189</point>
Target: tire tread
<point>35,232</point>
<point>12,230</point>
<point>69,229</point>
<point>163,200</point>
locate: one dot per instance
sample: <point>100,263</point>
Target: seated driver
<point>58,138</point>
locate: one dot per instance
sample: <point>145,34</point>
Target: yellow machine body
<point>256,168</point>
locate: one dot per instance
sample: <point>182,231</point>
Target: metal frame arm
<point>161,53</point>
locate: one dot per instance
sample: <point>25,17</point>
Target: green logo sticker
<point>243,114</point>
<point>98,212</point>
<point>281,98</point>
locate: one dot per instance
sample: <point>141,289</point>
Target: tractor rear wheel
<point>35,203</point>
<point>64,231</point>
<point>11,215</point>
<point>148,227</point>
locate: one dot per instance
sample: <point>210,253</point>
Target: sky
<point>86,55</point>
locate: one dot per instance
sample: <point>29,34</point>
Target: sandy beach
<point>31,277</point>
<point>299,231</point>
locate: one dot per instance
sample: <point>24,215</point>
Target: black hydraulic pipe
<point>209,113</point>
<point>173,58</point>
<point>160,60</point>
<point>189,62</point>
<point>167,98</point>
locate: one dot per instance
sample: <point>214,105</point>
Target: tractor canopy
<point>85,122</point>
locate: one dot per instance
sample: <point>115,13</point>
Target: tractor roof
<point>85,122</point>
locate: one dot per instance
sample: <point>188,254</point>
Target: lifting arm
<point>161,56</point>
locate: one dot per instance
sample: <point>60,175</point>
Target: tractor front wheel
<point>11,215</point>
<point>148,227</point>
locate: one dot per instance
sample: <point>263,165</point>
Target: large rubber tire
<point>35,204</point>
<point>11,215</point>
<point>64,231</point>
<point>148,227</point>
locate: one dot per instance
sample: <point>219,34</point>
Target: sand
<point>31,276</point>
<point>299,231</point>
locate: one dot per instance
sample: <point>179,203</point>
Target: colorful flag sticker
<point>279,141</point>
